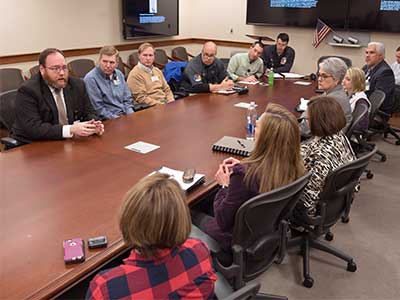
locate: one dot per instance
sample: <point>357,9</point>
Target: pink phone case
<point>74,251</point>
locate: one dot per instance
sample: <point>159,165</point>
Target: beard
<point>58,83</point>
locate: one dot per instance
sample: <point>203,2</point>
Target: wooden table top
<point>55,190</point>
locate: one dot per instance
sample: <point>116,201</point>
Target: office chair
<point>234,52</point>
<point>133,60</point>
<point>121,66</point>
<point>180,54</point>
<point>34,70</point>
<point>334,202</point>
<point>161,58</point>
<point>7,117</point>
<point>80,67</point>
<point>11,79</point>
<point>346,60</point>
<point>259,235</point>
<point>224,291</point>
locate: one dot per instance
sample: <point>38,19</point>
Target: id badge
<point>154,78</point>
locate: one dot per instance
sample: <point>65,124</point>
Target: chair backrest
<point>133,59</point>
<point>339,188</point>
<point>358,114</point>
<point>257,225</point>
<point>10,79</point>
<point>80,67</point>
<point>121,65</point>
<point>160,58</point>
<point>180,54</point>
<point>376,99</point>
<point>7,109</point>
<point>34,70</point>
<point>233,52</point>
<point>347,61</point>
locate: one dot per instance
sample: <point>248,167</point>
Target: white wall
<point>28,26</point>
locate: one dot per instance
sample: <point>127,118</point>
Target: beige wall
<point>30,25</point>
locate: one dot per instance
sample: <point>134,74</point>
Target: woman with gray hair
<point>330,75</point>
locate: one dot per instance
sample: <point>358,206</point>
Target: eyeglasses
<point>323,75</point>
<point>58,68</point>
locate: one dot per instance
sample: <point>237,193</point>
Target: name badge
<point>154,78</point>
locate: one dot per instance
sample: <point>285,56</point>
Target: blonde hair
<point>275,160</point>
<point>144,46</point>
<point>357,77</point>
<point>155,215</point>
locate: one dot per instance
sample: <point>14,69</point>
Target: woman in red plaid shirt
<point>164,263</point>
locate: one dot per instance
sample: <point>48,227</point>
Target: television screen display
<point>303,13</point>
<point>143,18</point>
<point>374,15</point>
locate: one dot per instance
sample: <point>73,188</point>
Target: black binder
<point>234,145</point>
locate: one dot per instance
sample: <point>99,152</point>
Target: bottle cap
<point>253,103</point>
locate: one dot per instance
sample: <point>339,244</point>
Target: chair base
<point>269,297</point>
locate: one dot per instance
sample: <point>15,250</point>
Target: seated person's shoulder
<point>197,245</point>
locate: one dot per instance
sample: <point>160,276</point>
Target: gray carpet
<point>372,237</point>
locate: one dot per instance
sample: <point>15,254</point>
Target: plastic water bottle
<point>271,77</point>
<point>251,120</point>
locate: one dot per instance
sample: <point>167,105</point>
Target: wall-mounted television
<point>150,18</point>
<point>371,15</point>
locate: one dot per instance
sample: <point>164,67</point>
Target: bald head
<point>208,53</point>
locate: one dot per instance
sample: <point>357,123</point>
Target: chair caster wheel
<point>308,282</point>
<point>370,175</point>
<point>351,267</point>
<point>345,219</point>
<point>383,158</point>
<point>398,143</point>
<point>329,236</point>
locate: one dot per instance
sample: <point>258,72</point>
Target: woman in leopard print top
<point>326,150</point>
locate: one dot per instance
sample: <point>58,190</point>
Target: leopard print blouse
<point>321,156</point>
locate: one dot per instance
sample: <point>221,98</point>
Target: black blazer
<point>36,114</point>
<point>381,77</point>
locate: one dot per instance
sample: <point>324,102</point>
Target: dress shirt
<point>396,70</point>
<point>241,66</point>
<point>109,95</point>
<point>66,129</point>
<point>280,63</point>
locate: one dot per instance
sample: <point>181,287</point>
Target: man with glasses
<point>107,88</point>
<point>379,75</point>
<point>53,106</point>
<point>206,73</point>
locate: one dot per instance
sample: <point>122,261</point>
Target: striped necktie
<point>62,114</point>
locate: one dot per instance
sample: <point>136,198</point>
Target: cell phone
<point>97,242</point>
<point>74,251</point>
<point>188,175</point>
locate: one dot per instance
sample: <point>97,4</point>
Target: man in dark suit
<point>53,106</point>
<point>379,75</point>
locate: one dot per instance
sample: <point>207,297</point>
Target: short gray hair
<point>379,47</point>
<point>335,67</point>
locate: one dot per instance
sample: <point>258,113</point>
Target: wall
<point>28,26</point>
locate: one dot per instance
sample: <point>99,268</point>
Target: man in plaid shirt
<point>164,263</point>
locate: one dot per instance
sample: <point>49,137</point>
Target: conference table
<point>56,190</point>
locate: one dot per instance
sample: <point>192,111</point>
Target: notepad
<point>234,145</point>
<point>248,82</point>
<point>302,82</point>
<point>302,106</point>
<point>244,105</point>
<point>142,147</point>
<point>226,92</point>
<point>177,175</point>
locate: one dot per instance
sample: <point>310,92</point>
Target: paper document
<point>302,82</point>
<point>292,75</point>
<point>226,92</point>
<point>177,175</point>
<point>243,105</point>
<point>142,147</point>
<point>303,104</point>
<point>248,82</point>
<point>276,75</point>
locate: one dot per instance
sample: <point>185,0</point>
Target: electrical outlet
<point>231,31</point>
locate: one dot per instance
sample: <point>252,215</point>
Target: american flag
<point>320,33</point>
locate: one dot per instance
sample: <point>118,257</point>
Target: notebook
<point>177,175</point>
<point>234,145</point>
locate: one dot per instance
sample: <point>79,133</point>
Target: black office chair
<point>7,117</point>
<point>80,67</point>
<point>133,60</point>
<point>180,54</point>
<point>34,70</point>
<point>11,79</point>
<point>224,291</point>
<point>121,66</point>
<point>346,60</point>
<point>259,235</point>
<point>334,202</point>
<point>161,58</point>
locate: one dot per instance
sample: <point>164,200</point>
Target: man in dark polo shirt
<point>280,56</point>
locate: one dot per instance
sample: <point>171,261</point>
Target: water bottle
<point>251,120</point>
<point>271,77</point>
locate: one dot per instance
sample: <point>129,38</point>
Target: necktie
<point>62,114</point>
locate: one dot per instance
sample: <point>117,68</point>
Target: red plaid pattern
<point>180,273</point>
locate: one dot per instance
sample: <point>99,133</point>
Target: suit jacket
<point>36,114</point>
<point>381,77</point>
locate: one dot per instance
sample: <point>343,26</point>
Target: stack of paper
<point>177,175</point>
<point>303,104</point>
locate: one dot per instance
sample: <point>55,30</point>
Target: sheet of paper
<point>248,82</point>
<point>303,104</point>
<point>276,75</point>
<point>292,75</point>
<point>142,147</point>
<point>226,92</point>
<point>177,175</point>
<point>243,105</point>
<point>302,82</point>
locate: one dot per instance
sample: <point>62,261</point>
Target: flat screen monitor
<point>149,18</point>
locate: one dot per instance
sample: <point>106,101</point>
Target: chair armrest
<point>249,291</point>
<point>10,143</point>
<point>160,66</point>
<point>201,235</point>
<point>191,55</point>
<point>383,114</point>
<point>170,58</point>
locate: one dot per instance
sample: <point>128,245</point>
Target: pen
<point>241,144</point>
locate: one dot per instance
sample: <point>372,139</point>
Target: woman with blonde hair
<point>164,263</point>
<point>354,85</point>
<point>274,162</point>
